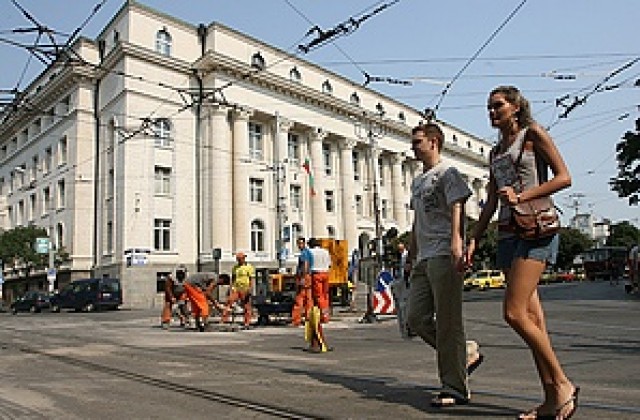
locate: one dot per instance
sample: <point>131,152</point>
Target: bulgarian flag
<point>307,169</point>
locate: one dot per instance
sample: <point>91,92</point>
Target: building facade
<point>163,141</point>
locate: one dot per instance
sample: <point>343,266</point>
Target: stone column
<point>399,199</point>
<point>241,162</point>
<point>281,184</point>
<point>217,191</point>
<point>349,216</point>
<point>318,211</point>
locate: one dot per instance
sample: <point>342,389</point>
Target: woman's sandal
<point>558,414</point>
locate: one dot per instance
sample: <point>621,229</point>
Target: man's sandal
<point>475,364</point>
<point>447,399</point>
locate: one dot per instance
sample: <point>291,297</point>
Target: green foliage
<point>572,243</point>
<point>18,246</point>
<point>627,182</point>
<point>623,234</point>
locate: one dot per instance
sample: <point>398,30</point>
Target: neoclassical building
<point>162,141</point>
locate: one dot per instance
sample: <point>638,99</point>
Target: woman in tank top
<point>519,166</point>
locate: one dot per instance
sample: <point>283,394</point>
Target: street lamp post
<point>373,130</point>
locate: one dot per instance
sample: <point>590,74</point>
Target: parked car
<point>485,279</point>
<point>565,276</point>
<point>89,295</point>
<point>33,301</point>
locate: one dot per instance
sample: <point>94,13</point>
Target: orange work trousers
<point>304,299</point>
<point>245,297</point>
<point>198,299</point>
<point>320,289</point>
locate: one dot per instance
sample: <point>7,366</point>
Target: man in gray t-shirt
<point>436,251</point>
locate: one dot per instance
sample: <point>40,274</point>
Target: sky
<point>553,51</point>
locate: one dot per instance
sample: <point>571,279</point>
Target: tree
<point>623,234</point>
<point>17,246</point>
<point>486,250</point>
<point>572,243</point>
<point>627,182</point>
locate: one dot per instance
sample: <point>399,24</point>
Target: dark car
<point>33,301</point>
<point>89,295</point>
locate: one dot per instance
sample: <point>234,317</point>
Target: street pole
<point>371,136</point>
<point>278,204</point>
<point>198,186</point>
<point>51,273</point>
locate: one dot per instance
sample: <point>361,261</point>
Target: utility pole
<point>198,141</point>
<point>374,130</point>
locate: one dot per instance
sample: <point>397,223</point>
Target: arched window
<point>402,117</point>
<point>163,42</point>
<point>354,99</point>
<point>327,88</point>
<point>257,235</point>
<point>257,61</point>
<point>295,75</point>
<point>162,132</point>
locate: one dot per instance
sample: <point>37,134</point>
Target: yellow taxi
<point>485,279</point>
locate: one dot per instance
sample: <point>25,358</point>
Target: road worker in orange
<point>320,278</point>
<point>242,281</point>
<point>304,298</point>
<point>174,294</point>
<point>198,288</point>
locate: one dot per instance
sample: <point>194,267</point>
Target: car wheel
<point>33,309</point>
<point>14,311</point>
<point>89,307</point>
<point>55,308</point>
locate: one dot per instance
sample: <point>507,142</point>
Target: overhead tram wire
<point>476,54</point>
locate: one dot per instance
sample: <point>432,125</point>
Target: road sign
<point>42,245</point>
<point>51,274</point>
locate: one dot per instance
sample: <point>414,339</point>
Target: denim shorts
<point>510,248</point>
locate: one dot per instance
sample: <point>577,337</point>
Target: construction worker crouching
<point>174,293</point>
<point>320,278</point>
<point>242,280</point>
<point>303,299</point>
<point>198,288</point>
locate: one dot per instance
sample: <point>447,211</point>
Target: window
<point>46,200</point>
<point>331,231</point>
<point>384,209</point>
<point>256,188</point>
<point>163,42</point>
<point>354,99</point>
<point>296,230</point>
<point>3,152</point>
<point>162,235</point>
<point>257,61</point>
<point>110,183</point>
<point>402,117</point>
<point>48,160</point>
<point>329,204</point>
<point>65,106</point>
<point>327,88</point>
<point>381,170</point>
<point>293,147</point>
<point>1,186</point>
<point>295,75</point>
<point>34,167</point>
<point>162,132</point>
<point>255,140</point>
<point>32,207</point>
<point>295,193</point>
<point>326,158</point>
<point>455,139</point>
<point>257,235</point>
<point>59,236</point>
<point>355,157</point>
<point>109,235</point>
<point>21,217</point>
<point>62,194</point>
<point>358,199</point>
<point>62,151</point>
<point>468,144</point>
<point>162,180</point>
<point>380,109</point>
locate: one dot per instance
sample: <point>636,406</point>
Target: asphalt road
<point>118,365</point>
